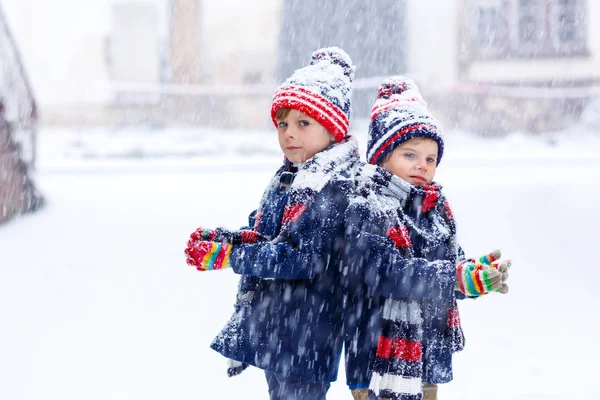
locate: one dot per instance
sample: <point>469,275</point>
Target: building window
<point>487,27</point>
<point>529,25</point>
<point>569,22</point>
<point>528,28</point>
<point>566,20</point>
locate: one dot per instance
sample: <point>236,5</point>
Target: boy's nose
<point>290,132</point>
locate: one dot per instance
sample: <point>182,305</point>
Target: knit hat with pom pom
<point>321,90</point>
<point>400,114</point>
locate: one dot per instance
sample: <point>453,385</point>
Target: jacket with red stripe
<point>400,258</point>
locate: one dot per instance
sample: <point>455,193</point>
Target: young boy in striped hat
<point>402,258</point>
<point>289,311</point>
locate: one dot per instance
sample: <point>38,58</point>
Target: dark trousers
<point>290,388</point>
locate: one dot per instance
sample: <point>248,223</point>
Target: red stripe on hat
<point>319,116</point>
<point>327,114</point>
<point>339,116</point>
<point>313,108</point>
<point>399,348</point>
<point>393,102</point>
<point>396,136</point>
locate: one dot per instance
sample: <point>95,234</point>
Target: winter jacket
<point>400,262</point>
<point>288,315</point>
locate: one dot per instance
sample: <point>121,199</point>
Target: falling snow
<point>98,301</point>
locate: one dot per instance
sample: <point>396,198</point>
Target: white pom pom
<point>337,56</point>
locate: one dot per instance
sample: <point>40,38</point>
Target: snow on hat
<point>321,90</point>
<point>398,115</point>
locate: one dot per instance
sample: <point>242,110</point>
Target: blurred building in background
<point>373,33</point>
<point>492,66</point>
<point>18,131</point>
<point>529,65</point>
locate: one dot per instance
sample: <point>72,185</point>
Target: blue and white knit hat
<point>321,90</point>
<point>400,114</point>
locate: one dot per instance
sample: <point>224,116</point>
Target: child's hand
<point>479,277</point>
<point>226,236</point>
<point>208,249</point>
<point>206,255</point>
<point>203,234</point>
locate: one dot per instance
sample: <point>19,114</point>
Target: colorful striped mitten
<point>207,256</point>
<point>481,276</point>
<point>208,249</point>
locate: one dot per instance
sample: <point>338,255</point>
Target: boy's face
<point>301,137</point>
<point>414,161</point>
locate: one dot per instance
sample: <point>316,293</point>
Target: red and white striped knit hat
<point>321,90</point>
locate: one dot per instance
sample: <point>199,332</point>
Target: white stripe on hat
<point>316,97</point>
<point>386,137</point>
<point>317,109</point>
<point>396,102</point>
<point>395,383</point>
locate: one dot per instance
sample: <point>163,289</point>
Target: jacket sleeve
<point>305,250</point>
<point>460,258</point>
<point>458,294</point>
<point>251,220</point>
<point>373,258</point>
<point>235,236</point>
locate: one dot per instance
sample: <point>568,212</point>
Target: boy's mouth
<point>419,178</point>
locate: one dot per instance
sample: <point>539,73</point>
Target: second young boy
<point>403,261</point>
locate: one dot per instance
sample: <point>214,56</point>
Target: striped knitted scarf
<point>398,367</point>
<point>388,194</point>
<point>337,162</point>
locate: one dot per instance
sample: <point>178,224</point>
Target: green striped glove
<point>481,276</point>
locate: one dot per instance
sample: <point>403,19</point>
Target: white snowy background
<point>96,301</point>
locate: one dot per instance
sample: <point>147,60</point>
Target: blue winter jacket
<point>377,268</point>
<point>288,315</point>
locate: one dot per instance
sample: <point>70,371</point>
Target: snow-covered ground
<point>98,303</point>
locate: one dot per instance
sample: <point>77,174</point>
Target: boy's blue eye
<point>304,123</point>
<point>430,159</point>
<point>409,155</point>
<point>282,124</point>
